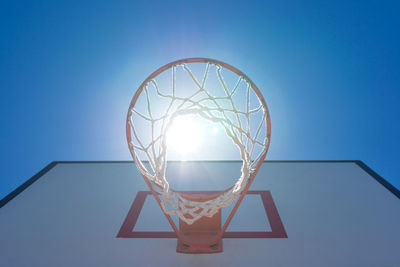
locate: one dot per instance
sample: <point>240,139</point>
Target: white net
<point>180,91</point>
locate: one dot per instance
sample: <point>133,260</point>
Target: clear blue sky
<point>330,73</point>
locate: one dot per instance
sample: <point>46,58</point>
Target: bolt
<point>214,247</point>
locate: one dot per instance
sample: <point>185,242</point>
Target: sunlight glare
<point>185,135</point>
<point>215,129</point>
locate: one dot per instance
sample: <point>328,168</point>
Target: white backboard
<point>297,213</point>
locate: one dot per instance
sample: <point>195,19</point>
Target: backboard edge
<point>26,184</point>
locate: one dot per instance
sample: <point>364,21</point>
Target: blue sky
<point>328,71</point>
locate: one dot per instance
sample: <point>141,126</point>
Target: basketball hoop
<point>199,214</point>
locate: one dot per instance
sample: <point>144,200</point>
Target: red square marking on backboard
<point>277,228</point>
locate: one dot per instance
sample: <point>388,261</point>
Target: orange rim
<point>226,66</point>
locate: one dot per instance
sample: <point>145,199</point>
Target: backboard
<point>296,213</point>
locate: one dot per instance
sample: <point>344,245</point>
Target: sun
<point>185,135</point>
